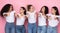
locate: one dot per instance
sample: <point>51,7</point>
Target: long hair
<point>24,10</point>
<point>46,9</point>
<point>55,8</point>
<point>5,9</point>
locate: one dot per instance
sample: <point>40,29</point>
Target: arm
<point>27,15</point>
<point>49,16</point>
<point>39,14</point>
<point>16,15</point>
<point>5,14</point>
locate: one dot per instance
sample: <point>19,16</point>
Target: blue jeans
<point>32,28</point>
<point>10,28</point>
<point>41,29</point>
<point>20,29</point>
<point>51,29</point>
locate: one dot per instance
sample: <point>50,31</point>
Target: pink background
<point>37,3</point>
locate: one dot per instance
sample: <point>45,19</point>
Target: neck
<point>43,13</point>
<point>8,11</point>
<point>31,11</point>
<point>53,13</point>
<point>22,13</point>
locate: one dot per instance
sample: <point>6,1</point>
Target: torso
<point>20,21</point>
<point>32,18</point>
<point>10,17</point>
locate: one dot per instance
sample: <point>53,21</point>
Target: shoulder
<point>13,11</point>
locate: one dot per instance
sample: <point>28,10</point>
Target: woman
<point>8,13</point>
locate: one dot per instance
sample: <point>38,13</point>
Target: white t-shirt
<point>41,20</point>
<point>31,18</point>
<point>53,22</point>
<point>10,18</point>
<point>20,21</point>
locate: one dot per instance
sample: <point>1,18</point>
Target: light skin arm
<point>39,14</point>
<point>35,15</point>
<point>48,16</point>
<point>6,14</point>
<point>15,14</point>
<point>27,15</point>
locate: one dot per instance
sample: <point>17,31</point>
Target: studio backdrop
<point>36,3</point>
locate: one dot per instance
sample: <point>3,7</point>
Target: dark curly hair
<point>5,9</point>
